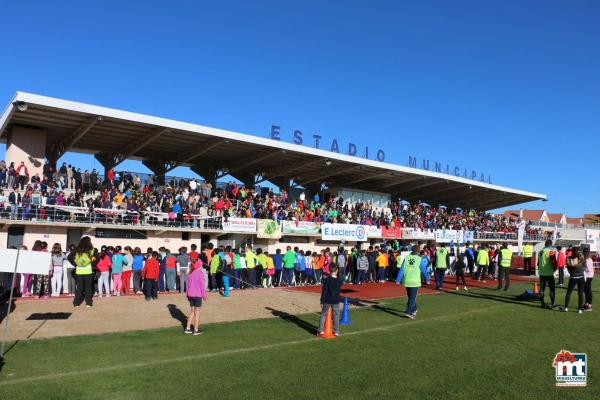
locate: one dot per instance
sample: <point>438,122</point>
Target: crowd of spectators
<point>190,202</point>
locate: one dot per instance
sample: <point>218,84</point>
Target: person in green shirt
<point>483,262</point>
<point>215,263</point>
<point>288,266</point>
<point>442,261</point>
<point>251,261</point>
<point>262,260</point>
<point>546,266</point>
<point>237,269</point>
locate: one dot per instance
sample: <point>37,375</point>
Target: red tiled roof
<point>555,218</point>
<point>512,214</point>
<point>533,215</point>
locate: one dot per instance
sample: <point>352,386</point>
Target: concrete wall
<point>50,234</point>
<point>27,145</point>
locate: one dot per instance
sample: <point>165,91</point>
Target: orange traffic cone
<point>328,331</point>
<point>535,288</point>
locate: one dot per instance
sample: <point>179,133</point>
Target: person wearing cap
<point>504,264</point>
<point>196,294</point>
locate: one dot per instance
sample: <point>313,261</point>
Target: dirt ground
<point>40,319</point>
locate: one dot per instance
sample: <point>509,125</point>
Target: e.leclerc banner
<point>448,235</point>
<point>347,232</point>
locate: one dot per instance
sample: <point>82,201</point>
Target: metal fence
<point>76,215</point>
<point>507,236</point>
<point>117,217</point>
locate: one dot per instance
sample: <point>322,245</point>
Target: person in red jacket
<point>150,276</point>
<point>561,263</point>
<point>22,175</point>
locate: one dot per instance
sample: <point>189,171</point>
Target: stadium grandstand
<point>58,202</point>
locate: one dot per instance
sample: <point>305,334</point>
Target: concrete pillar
<point>29,146</point>
<point>159,170</point>
<point>209,174</point>
<point>313,188</point>
<point>107,162</point>
<point>282,183</point>
<point>247,179</point>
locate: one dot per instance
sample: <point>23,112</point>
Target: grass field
<point>480,344</point>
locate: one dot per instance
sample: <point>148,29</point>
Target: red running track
<point>387,290</point>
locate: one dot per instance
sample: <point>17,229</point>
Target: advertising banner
<point>302,227</point>
<point>347,232</point>
<point>448,235</point>
<point>240,225</point>
<point>468,236</point>
<point>373,231</point>
<point>268,229</point>
<point>521,235</point>
<point>393,233</point>
<point>410,233</point>
<point>29,262</point>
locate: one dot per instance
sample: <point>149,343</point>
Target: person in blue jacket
<point>137,267</point>
<point>278,262</point>
<point>470,254</point>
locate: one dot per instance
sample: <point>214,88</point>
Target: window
<point>120,234</point>
<point>185,236</point>
<point>293,239</point>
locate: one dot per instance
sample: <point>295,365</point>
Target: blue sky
<point>510,88</point>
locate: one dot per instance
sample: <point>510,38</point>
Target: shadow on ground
<point>177,314</point>
<point>307,326</point>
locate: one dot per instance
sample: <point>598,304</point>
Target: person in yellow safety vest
<point>412,270</point>
<point>504,264</point>
<point>442,261</point>
<point>251,261</point>
<point>546,266</point>
<point>483,262</point>
<point>527,256</point>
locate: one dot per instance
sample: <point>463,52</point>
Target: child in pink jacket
<point>196,293</point>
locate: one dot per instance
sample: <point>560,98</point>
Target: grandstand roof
<point>80,127</point>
